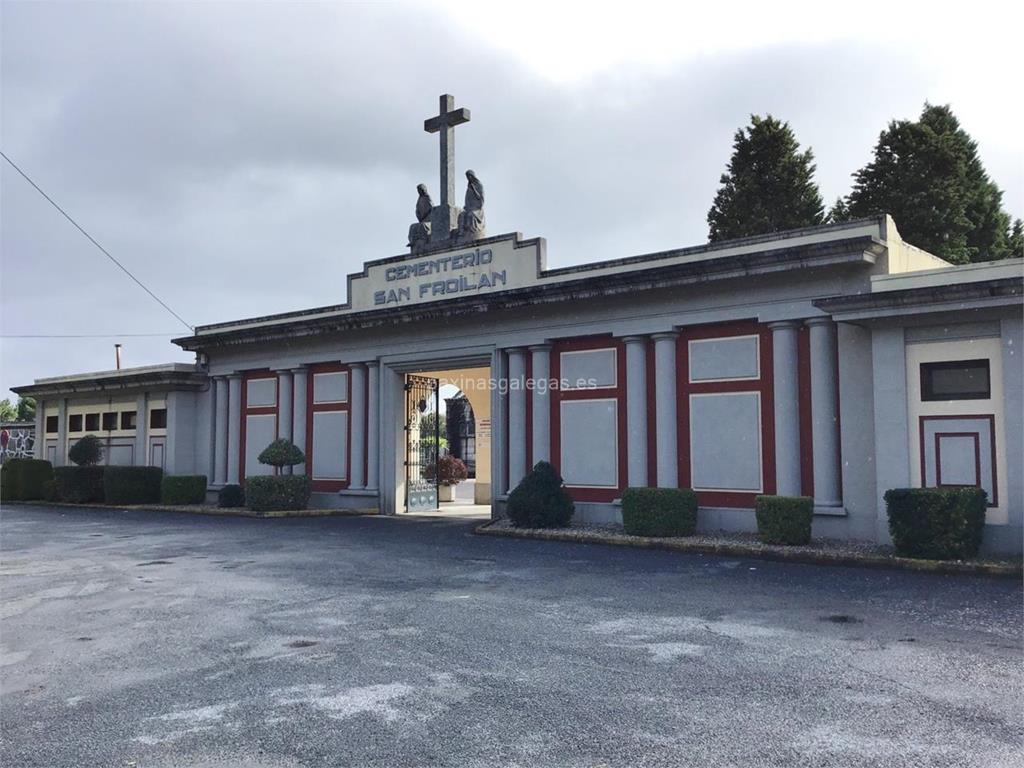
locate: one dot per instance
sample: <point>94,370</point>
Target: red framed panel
<point>618,392</point>
<point>247,376</point>
<point>990,418</point>
<point>311,408</point>
<point>763,385</point>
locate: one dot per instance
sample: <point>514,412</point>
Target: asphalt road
<point>158,639</point>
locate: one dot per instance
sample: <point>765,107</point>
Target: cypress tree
<point>928,176</point>
<point>769,185</point>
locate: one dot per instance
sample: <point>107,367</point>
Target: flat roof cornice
<point>1000,292</point>
<point>178,376</point>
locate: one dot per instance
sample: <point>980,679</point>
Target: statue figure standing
<point>472,224</point>
<point>419,233</point>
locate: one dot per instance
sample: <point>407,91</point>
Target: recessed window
<point>52,425</point>
<point>75,423</point>
<point>92,422</point>
<point>127,419</point>
<point>109,422</point>
<point>956,380</point>
<point>158,418</point>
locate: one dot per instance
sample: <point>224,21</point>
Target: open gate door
<point>422,441</point>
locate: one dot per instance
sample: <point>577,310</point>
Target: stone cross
<point>444,124</point>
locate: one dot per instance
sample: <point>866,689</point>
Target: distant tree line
<point>926,173</point>
<point>25,410</point>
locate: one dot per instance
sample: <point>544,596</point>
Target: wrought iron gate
<point>422,440</point>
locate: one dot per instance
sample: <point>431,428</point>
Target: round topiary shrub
<point>784,519</point>
<point>87,452</point>
<point>540,500</point>
<point>450,470</point>
<point>230,497</point>
<point>281,453</point>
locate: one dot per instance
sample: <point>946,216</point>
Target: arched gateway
<point>835,362</point>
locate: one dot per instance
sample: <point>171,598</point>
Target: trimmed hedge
<point>659,511</point>
<point>23,479</point>
<point>271,493</point>
<point>540,500</point>
<point>132,485</point>
<point>78,485</point>
<point>936,523</point>
<point>784,519</point>
<point>183,489</point>
<point>231,496</point>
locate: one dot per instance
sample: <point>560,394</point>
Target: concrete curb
<point>208,510</point>
<point>780,554</point>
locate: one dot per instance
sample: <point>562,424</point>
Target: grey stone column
<point>372,425</point>
<point>284,409</point>
<point>142,430</point>
<point>787,407</point>
<point>636,410</point>
<point>665,407</point>
<point>220,431</point>
<point>824,413</point>
<point>299,390</point>
<point>499,412</point>
<point>516,417</point>
<point>541,359</point>
<point>62,433</point>
<point>358,432</point>
<point>234,443</point>
<point>39,444</point>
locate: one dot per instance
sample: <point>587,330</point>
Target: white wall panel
<point>597,367</point>
<point>260,431</point>
<point>260,393</point>
<point>330,445</point>
<point>725,441</point>
<point>724,359</point>
<point>589,443</point>
<point>330,387</point>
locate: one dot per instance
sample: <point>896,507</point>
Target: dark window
<point>956,380</point>
<point>158,418</point>
<point>127,419</point>
<point>52,425</point>
<point>92,422</point>
<point>75,423</point>
<point>109,422</point>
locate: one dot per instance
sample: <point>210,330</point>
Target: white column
<point>39,444</point>
<point>62,433</point>
<point>372,424</point>
<point>299,379</point>
<point>787,408</point>
<point>667,426</point>
<point>234,442</point>
<point>516,417</point>
<point>824,413</point>
<point>220,431</point>
<point>358,416</point>
<point>636,410</point>
<point>541,359</point>
<point>284,409</point>
<point>499,411</point>
<point>141,458</point>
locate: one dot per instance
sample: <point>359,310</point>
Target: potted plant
<point>450,472</point>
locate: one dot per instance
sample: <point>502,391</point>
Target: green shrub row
<point>132,485</point>
<point>936,523</point>
<point>77,485</point>
<point>23,479</point>
<point>659,511</point>
<point>231,496</point>
<point>271,493</point>
<point>183,489</point>
<point>784,519</point>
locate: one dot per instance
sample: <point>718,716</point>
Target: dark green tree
<point>769,185</point>
<point>928,176</point>
<point>1017,240</point>
<point>26,409</point>
<point>87,452</point>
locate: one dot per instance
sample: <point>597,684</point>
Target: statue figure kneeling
<point>472,224</point>
<point>419,233</point>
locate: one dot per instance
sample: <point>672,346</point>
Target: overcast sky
<point>242,158</point>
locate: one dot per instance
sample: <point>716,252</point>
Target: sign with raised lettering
<point>491,265</point>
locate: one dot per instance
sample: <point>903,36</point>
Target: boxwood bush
<point>540,500</point>
<point>78,485</point>
<point>936,523</point>
<point>231,496</point>
<point>132,485</point>
<point>22,479</point>
<point>784,519</point>
<point>183,489</point>
<point>271,493</point>
<point>659,511</point>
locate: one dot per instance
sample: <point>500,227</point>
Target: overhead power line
<point>92,240</point>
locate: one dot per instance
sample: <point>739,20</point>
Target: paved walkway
<point>160,639</point>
